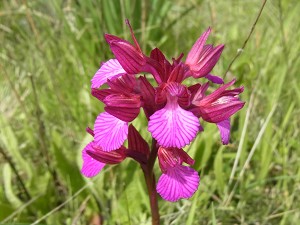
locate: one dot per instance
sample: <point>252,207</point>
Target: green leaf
<point>8,187</point>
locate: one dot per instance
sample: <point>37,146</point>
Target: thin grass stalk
<point>240,50</point>
<point>12,86</point>
<point>60,206</point>
<point>42,135</point>
<point>14,168</point>
<point>252,151</point>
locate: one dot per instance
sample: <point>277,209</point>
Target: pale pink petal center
<point>178,182</point>
<point>110,132</point>
<point>109,70</point>
<point>90,167</point>
<point>173,126</point>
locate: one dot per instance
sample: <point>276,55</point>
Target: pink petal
<point>157,55</point>
<point>101,94</point>
<point>146,90</point>
<point>129,57</point>
<point>177,74</point>
<point>173,126</point>
<point>125,108</point>
<point>136,141</point>
<point>110,38</point>
<point>194,54</point>
<point>221,109</point>
<point>224,128</point>
<point>112,157</point>
<point>180,91</point>
<point>90,167</point>
<point>172,157</point>
<point>123,84</point>
<point>110,132</point>
<point>214,79</point>
<point>178,182</point>
<point>109,70</point>
<point>205,65</point>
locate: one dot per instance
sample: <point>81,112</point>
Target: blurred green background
<point>51,49</point>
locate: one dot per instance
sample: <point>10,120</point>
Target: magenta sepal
<point>202,58</point>
<point>123,107</point>
<point>130,57</point>
<point>224,128</point>
<point>219,105</point>
<point>103,93</point>
<point>90,131</point>
<point>177,74</point>
<point>147,92</point>
<point>136,142</point>
<point>214,79</point>
<point>112,157</point>
<point>131,60</point>
<point>194,53</point>
<point>123,84</point>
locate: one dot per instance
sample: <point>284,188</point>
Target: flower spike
<point>170,105</point>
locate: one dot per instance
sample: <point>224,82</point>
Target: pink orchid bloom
<point>173,110</point>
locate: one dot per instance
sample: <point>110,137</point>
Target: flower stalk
<point>150,182</point>
<point>174,113</point>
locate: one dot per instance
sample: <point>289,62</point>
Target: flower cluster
<point>172,109</point>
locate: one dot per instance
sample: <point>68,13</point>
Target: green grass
<point>50,51</point>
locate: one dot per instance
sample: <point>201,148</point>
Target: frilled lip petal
<point>109,70</point>
<point>173,126</point>
<point>110,132</point>
<point>178,182</point>
<point>125,108</point>
<point>90,167</point>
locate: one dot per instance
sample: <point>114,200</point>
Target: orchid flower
<point>173,111</point>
